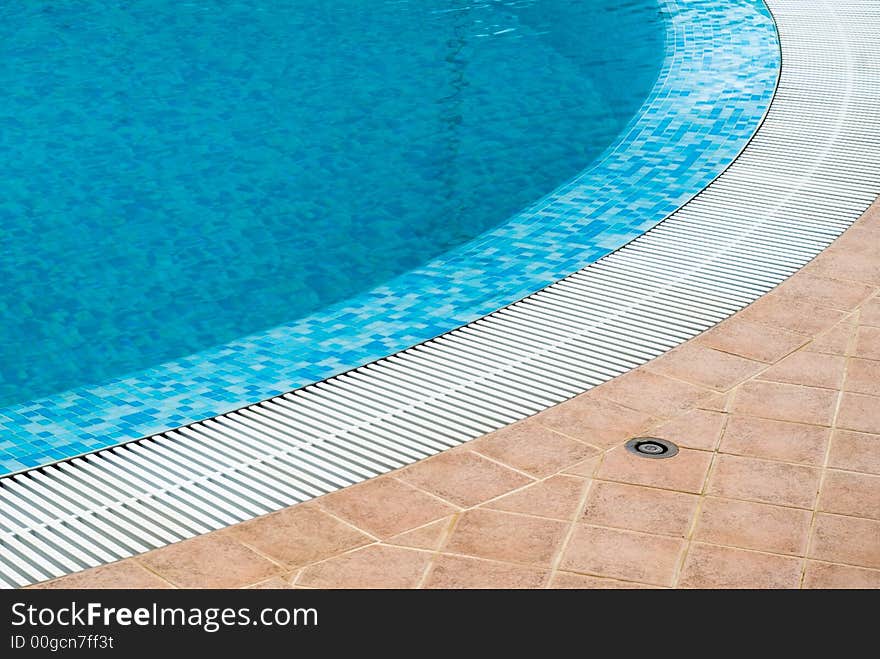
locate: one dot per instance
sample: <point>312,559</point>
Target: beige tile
<point>622,555</point>
<point>754,526</point>
<point>775,440</point>
<point>685,472</point>
<point>855,451</point>
<point>698,429</point>
<point>463,572</point>
<point>786,402</point>
<point>811,369</point>
<point>506,537</point>
<point>810,290</point>
<point>425,537</point>
<point>831,576</point>
<point>653,394</point>
<point>123,575</point>
<point>836,340</point>
<point>785,312</point>
<point>209,561</point>
<point>702,365</point>
<point>557,497</point>
<point>298,535</point>
<point>639,508</point>
<point>846,493</point>
<point>572,581</point>
<point>868,343</point>
<point>851,540</point>
<point>533,448</point>
<point>751,340</point>
<point>863,377</point>
<point>707,566</point>
<point>463,477</point>
<point>595,420</point>
<point>859,413</point>
<point>735,477</point>
<point>385,506</point>
<point>376,566</point>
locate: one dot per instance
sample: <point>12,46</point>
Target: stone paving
<point>776,485</point>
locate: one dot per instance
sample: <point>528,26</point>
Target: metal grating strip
<point>811,169</point>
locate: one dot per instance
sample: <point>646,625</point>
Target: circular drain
<point>651,447</point>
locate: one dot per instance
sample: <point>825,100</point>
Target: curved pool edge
<point>806,204</point>
<point>598,211</point>
<point>543,473</point>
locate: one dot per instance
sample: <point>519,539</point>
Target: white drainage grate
<point>810,171</point>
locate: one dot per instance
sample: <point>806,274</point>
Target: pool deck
<point>777,484</point>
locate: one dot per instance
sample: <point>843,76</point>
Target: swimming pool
<point>169,195</point>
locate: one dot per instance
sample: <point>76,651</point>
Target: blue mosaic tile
<point>716,84</point>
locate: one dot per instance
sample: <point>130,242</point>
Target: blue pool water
<point>180,174</point>
<point>720,62</point>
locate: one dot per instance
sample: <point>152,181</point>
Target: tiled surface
<point>752,502</point>
<point>715,86</point>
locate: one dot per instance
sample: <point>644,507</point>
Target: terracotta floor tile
<point>425,537</point>
<point>586,468</point>
<point>385,506</point>
<point>851,540</point>
<point>685,472</point>
<point>846,493</point>
<point>829,575</point>
<point>275,583</point>
<point>811,290</point>
<point>705,366</point>
<point>595,420</point>
<point>863,377</point>
<point>533,448</point>
<point>557,497</point>
<point>763,481</point>
<point>870,313</point>
<point>855,451</point>
<point>653,394</point>
<point>868,343</point>
<point>506,537</point>
<point>754,526</point>
<point>376,566</point>
<point>698,429</point>
<point>751,340</point>
<point>463,572</point>
<point>463,477</point>
<point>572,581</point>
<point>707,566</point>
<point>836,340</point>
<point>812,369</point>
<point>775,440</point>
<point>123,575</point>
<point>785,312</point>
<point>859,413</point>
<point>717,403</point>
<point>298,535</point>
<point>786,402</point>
<point>853,263</point>
<point>209,561</point>
<point>623,555</point>
<point>639,508</point>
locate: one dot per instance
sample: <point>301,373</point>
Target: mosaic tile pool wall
<point>716,83</point>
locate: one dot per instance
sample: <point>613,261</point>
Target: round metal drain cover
<point>651,447</point>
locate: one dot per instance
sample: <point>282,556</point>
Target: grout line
<point>566,538</point>
<point>850,346</point>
